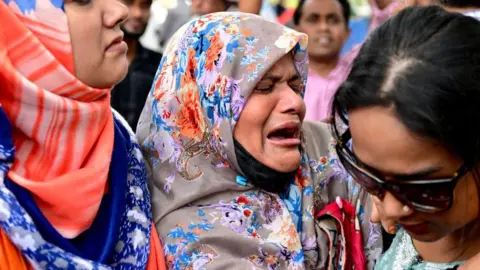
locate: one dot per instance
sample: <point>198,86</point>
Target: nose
<point>322,26</point>
<point>393,209</point>
<point>291,102</point>
<point>115,13</point>
<point>135,11</point>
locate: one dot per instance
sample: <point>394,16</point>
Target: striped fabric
<point>62,129</point>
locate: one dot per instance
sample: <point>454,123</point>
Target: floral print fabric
<point>205,219</point>
<point>132,245</point>
<point>402,256</point>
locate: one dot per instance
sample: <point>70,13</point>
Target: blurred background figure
<point>250,6</point>
<point>368,20</point>
<point>128,97</point>
<point>202,7</point>
<point>467,7</point>
<point>167,16</point>
<point>326,24</point>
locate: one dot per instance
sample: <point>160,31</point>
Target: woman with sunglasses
<point>411,106</point>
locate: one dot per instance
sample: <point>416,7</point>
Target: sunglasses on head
<point>427,195</point>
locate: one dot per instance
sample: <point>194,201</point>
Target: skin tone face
<point>202,7</point>
<point>270,123</point>
<point>383,143</point>
<point>138,15</point>
<point>327,30</point>
<point>101,62</point>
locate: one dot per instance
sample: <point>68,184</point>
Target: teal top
<point>402,255</point>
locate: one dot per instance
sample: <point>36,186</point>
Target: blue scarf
<point>118,238</point>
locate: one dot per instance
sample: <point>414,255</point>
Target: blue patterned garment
<point>130,244</point>
<point>402,255</point>
<point>207,216</point>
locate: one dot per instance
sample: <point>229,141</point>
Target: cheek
<point>303,106</point>
<point>146,15</point>
<point>85,37</point>
<point>308,29</point>
<point>250,126</point>
<point>339,33</point>
<point>465,207</point>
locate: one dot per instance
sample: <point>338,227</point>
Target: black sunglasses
<point>429,195</point>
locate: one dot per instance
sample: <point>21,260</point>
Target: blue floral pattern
<point>204,218</point>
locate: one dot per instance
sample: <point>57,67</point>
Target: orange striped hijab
<point>62,128</point>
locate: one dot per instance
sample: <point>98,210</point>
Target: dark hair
<point>429,73</point>
<point>459,3</point>
<point>424,63</point>
<point>299,11</point>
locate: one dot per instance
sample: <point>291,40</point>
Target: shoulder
<point>318,138</point>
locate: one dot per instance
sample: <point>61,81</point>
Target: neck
<point>132,49</point>
<point>449,249</point>
<point>323,67</point>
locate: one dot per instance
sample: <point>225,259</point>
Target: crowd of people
<point>220,139</point>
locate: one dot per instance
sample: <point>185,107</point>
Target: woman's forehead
<point>283,69</point>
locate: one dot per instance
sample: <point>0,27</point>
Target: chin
<point>108,82</point>
<point>287,162</point>
<point>119,72</point>
<point>323,53</point>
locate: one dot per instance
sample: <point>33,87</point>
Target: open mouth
<point>285,135</point>
<point>323,40</point>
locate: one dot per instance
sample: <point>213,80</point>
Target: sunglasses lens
<point>364,180</point>
<point>429,197</point>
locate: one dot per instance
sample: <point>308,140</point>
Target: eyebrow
<point>417,175</point>
<point>322,15</point>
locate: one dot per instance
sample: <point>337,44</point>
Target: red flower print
<point>189,76</point>
<point>213,52</point>
<point>189,117</point>
<point>324,160</point>
<point>242,200</point>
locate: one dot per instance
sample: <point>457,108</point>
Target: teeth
<point>324,40</point>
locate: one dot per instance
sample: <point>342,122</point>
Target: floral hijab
<point>205,213</point>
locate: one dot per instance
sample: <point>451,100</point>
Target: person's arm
<point>250,6</point>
